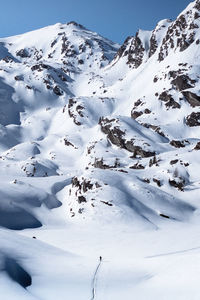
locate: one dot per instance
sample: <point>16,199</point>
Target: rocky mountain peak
<point>167,37</point>
<point>76,25</point>
<point>71,43</point>
<point>183,32</point>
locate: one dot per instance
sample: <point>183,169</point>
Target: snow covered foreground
<point>99,158</point>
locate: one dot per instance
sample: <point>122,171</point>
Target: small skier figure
<point>100,258</point>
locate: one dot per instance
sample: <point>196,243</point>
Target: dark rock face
<point>8,59</point>
<point>147,111</point>
<point>180,35</point>
<point>138,103</point>
<point>164,97</point>
<point>173,162</point>
<point>157,181</point>
<point>197,5</point>
<point>177,144</point>
<point>40,67</point>
<point>155,79</point>
<point>23,53</point>
<point>67,48</point>
<point>170,102</point>
<point>153,45</point>
<point>99,163</point>
<point>192,98</point>
<point>75,111</point>
<point>155,128</point>
<point>81,199</point>
<point>197,147</point>
<point>182,82</point>
<point>153,161</point>
<point>136,150</point>
<point>185,42</point>
<point>76,24</point>
<point>134,51</point>
<point>57,91</point>
<point>19,78</point>
<point>84,185</point>
<point>179,184</point>
<point>135,114</point>
<point>137,166</point>
<point>122,49</point>
<point>53,43</point>
<point>193,119</point>
<point>115,134</point>
<point>68,143</point>
<point>117,137</point>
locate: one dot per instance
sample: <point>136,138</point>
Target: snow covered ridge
<point>167,37</point>
<point>100,149</point>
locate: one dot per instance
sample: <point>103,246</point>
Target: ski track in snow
<point>94,281</point>
<point>173,253</point>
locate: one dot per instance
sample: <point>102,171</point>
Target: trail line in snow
<point>173,253</point>
<point>94,280</point>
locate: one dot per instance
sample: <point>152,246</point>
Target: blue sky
<point>114,19</point>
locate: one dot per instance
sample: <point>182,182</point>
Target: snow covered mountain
<point>99,157</point>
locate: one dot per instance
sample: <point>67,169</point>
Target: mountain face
<point>99,144</point>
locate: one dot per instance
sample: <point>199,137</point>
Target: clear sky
<point>114,19</point>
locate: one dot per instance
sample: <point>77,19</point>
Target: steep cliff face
<point>183,32</point>
<point>139,48</point>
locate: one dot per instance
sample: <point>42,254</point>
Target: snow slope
<point>99,156</point>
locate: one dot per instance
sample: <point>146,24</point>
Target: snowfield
<point>99,160</point>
